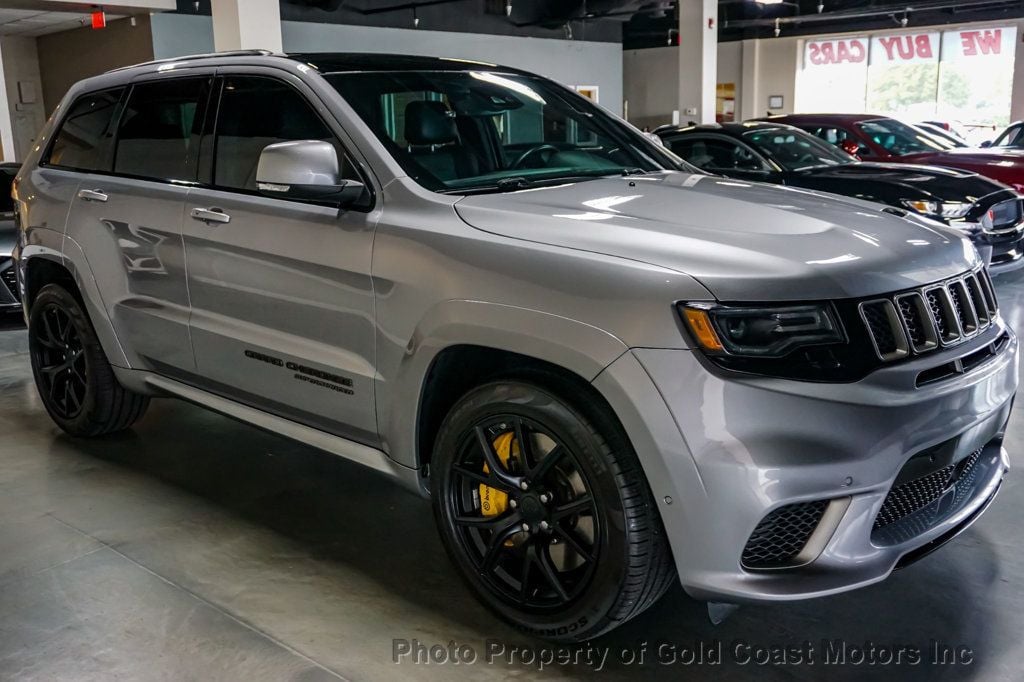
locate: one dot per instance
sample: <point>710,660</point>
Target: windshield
<point>795,150</point>
<point>898,138</point>
<point>460,131</point>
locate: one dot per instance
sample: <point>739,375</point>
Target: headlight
<point>760,332</point>
<point>949,210</point>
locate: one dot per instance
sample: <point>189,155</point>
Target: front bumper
<point>723,451</point>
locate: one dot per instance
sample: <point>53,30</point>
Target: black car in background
<point>991,213</point>
<point>9,299</point>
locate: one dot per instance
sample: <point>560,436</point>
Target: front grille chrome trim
<point>965,312</point>
<point>953,334</point>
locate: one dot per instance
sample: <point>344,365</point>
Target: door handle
<point>210,215</point>
<point>92,195</point>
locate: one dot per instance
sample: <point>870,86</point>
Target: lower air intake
<point>782,535</point>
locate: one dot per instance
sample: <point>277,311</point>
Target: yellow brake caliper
<point>493,501</point>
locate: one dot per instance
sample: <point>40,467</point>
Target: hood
<point>8,236</point>
<point>912,181</point>
<point>972,156</point>
<point>743,241</point>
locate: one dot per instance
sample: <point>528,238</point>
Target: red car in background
<point>877,138</point>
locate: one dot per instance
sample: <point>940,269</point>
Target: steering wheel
<point>518,163</point>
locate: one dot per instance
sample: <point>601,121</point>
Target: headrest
<point>428,122</point>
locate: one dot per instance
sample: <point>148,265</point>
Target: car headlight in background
<point>948,210</point>
<point>760,332</point>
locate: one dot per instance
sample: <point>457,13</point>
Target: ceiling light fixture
<point>778,28</point>
<point>508,8</point>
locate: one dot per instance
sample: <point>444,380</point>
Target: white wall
<point>573,62</point>
<point>652,82</point>
<point>20,121</point>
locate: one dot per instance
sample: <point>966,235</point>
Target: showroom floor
<point>196,548</point>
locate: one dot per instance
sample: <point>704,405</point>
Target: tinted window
<point>795,150</point>
<point>716,154</point>
<point>898,138</point>
<point>6,182</point>
<point>160,130</point>
<point>83,141</point>
<point>256,112</point>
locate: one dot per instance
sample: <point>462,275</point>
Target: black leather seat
<point>434,141</point>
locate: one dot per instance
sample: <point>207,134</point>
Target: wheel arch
<point>69,268</point>
<point>467,343</point>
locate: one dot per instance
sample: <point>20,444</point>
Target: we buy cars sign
<point>908,48</point>
<point>819,53</point>
<point>905,49</point>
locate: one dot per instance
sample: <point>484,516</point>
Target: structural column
<point>247,25</point>
<point>698,60</point>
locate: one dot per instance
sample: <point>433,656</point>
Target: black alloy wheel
<point>539,543</point>
<point>548,517</point>
<point>59,355</point>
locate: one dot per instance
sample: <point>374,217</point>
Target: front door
<point>282,299</point>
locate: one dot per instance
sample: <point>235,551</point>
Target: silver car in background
<point>605,368</point>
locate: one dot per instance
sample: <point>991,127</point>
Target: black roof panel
<point>334,62</point>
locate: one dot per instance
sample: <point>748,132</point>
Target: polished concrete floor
<point>196,548</point>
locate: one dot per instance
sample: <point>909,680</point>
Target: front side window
<point>160,130</point>
<point>256,112</point>
<point>86,133</point>
<point>461,131</point>
<point>795,150</point>
<point>898,138</point>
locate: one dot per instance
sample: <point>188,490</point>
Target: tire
<point>72,374</point>
<point>610,557</point>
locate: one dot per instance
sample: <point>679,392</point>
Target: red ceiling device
<point>99,19</point>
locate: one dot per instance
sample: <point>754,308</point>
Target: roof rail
<point>205,55</point>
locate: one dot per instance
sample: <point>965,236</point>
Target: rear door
<point>282,299</point>
<point>127,218</point>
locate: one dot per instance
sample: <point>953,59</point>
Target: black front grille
<point>941,323</point>
<point>7,277</point>
<point>782,535</point>
<point>912,496</point>
<point>881,330</point>
<point>912,318</point>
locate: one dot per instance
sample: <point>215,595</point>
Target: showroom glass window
<point>160,130</point>
<point>256,112</point>
<point>86,133</point>
<point>962,75</point>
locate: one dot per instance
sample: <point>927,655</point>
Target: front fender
<point>578,347</point>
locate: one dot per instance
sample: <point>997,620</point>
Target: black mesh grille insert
<point>980,305</point>
<point>941,323</point>
<point>880,328</point>
<point>782,534</point>
<point>958,304</point>
<point>907,498</point>
<point>912,318</point>
<point>8,278</point>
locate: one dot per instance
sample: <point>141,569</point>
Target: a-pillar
<point>698,60</point>
<point>247,25</point>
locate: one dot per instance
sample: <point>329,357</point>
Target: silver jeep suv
<point>605,368</point>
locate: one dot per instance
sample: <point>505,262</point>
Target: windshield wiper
<point>520,182</point>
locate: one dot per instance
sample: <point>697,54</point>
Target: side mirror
<point>305,169</point>
<point>986,143</point>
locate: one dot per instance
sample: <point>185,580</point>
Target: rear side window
<point>86,133</point>
<point>256,112</point>
<point>6,183</point>
<point>161,128</point>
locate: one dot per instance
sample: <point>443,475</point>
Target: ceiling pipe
<point>891,10</point>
